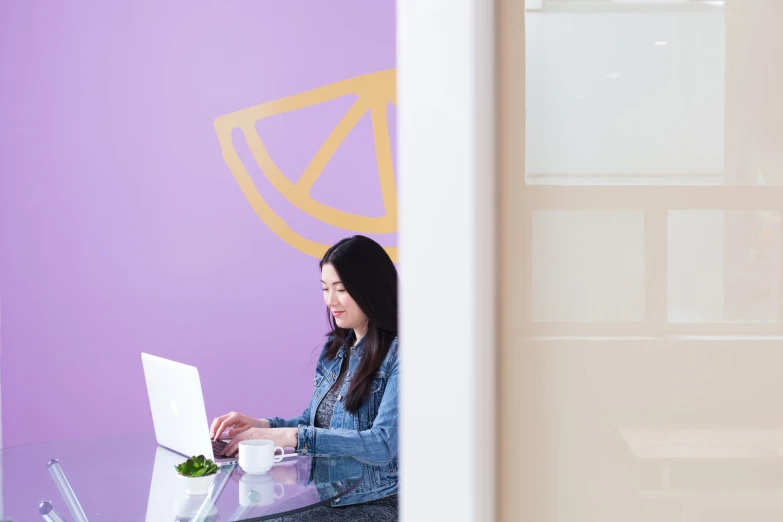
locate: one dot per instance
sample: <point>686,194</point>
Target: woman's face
<point>346,312</point>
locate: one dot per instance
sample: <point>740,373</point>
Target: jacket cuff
<point>305,444</point>
<point>274,422</point>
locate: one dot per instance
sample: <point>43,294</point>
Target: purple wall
<point>122,229</point>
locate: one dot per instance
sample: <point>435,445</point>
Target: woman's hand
<point>285,437</point>
<point>235,423</point>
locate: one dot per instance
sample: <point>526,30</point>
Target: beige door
<point>640,367</point>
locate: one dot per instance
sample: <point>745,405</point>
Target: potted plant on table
<point>197,474</point>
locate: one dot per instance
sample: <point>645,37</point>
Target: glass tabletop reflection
<point>130,477</point>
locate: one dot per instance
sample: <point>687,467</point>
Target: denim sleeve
<point>304,418</point>
<point>279,422</point>
<point>377,445</point>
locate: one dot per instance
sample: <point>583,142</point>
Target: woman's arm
<point>279,422</point>
<point>377,445</point>
<point>304,418</point>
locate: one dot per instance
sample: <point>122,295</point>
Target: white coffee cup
<point>259,490</point>
<point>258,455</point>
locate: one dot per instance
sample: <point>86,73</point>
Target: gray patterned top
<point>323,415</point>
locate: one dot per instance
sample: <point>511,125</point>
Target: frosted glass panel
<point>588,266</point>
<point>675,412</point>
<point>625,94</point>
<point>724,266</point>
<point>648,92</point>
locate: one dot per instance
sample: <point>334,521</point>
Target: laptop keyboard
<point>218,447</point>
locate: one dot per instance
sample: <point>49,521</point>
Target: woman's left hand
<point>285,437</point>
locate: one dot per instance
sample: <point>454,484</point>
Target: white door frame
<point>445,91</point>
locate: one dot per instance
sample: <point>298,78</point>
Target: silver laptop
<point>178,411</point>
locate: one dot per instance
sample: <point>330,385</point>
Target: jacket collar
<point>357,350</point>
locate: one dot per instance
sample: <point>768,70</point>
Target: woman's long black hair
<point>370,278</point>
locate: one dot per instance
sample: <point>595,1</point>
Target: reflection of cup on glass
<point>259,490</point>
<point>258,456</point>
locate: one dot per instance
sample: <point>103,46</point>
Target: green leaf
<point>197,466</point>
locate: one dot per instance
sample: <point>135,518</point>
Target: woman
<point>353,410</point>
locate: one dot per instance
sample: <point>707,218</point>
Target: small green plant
<point>197,467</point>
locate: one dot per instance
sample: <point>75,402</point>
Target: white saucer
<point>255,471</point>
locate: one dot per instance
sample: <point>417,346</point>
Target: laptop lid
<point>177,406</point>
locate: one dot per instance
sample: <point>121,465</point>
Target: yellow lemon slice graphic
<point>375,91</point>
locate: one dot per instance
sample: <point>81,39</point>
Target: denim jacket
<point>370,436</point>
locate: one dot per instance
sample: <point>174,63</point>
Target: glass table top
<point>130,477</point>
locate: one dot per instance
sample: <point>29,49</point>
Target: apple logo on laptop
<point>174,408</point>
